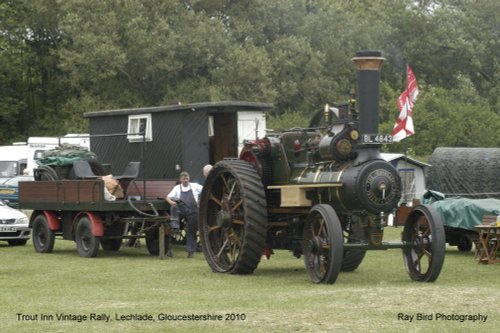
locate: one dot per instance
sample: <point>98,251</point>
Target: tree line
<point>61,58</point>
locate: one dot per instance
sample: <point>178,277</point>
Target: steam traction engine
<point>324,196</point>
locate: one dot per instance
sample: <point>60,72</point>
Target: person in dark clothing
<point>184,198</point>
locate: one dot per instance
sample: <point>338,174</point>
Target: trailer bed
<point>88,195</point>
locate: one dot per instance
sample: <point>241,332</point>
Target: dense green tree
<point>137,55</point>
<point>456,117</point>
<point>12,81</point>
<point>31,81</point>
<point>61,58</point>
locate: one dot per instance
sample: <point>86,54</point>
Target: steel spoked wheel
<point>43,238</point>
<point>323,244</point>
<point>233,218</point>
<point>424,232</point>
<point>353,257</point>
<point>86,243</point>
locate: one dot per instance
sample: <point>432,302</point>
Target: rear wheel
<point>153,242</point>
<point>86,243</point>
<point>43,238</point>
<point>323,244</point>
<point>353,257</point>
<point>233,217</point>
<point>424,232</point>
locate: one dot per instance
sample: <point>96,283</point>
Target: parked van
<point>13,160</point>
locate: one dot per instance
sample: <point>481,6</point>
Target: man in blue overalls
<point>184,197</point>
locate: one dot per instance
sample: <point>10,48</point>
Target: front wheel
<point>43,238</point>
<point>17,242</point>
<point>425,237</point>
<point>86,243</point>
<point>323,244</point>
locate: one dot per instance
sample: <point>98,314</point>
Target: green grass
<point>278,297</point>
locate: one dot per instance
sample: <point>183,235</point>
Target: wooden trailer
<point>78,210</point>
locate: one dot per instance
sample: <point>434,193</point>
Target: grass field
<point>278,297</point>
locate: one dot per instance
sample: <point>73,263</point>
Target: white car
<point>14,225</point>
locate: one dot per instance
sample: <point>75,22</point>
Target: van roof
<point>13,153</point>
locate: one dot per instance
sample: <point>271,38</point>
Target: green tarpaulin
<point>458,212</point>
<point>65,155</point>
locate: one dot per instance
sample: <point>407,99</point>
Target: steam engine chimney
<point>368,64</point>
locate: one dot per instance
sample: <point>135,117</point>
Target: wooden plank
<point>488,219</point>
<point>155,189</point>
<point>78,195</point>
<point>62,191</point>
<point>78,191</point>
<point>37,191</point>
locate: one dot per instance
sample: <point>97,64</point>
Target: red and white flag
<point>406,101</point>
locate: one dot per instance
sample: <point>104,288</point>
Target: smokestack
<point>368,64</point>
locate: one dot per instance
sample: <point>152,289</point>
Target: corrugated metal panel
<point>174,135</point>
<point>195,144</point>
<point>110,150</point>
<point>165,151</point>
<point>180,137</point>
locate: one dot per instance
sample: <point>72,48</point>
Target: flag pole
<point>405,143</point>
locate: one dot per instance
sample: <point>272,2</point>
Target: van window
<point>8,169</point>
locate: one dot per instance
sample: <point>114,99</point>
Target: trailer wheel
<point>323,244</point>
<point>43,238</point>
<point>86,243</point>
<point>233,217</point>
<point>424,232</point>
<point>113,244</point>
<point>464,243</point>
<point>153,242</point>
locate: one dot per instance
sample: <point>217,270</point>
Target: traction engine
<point>324,193</point>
